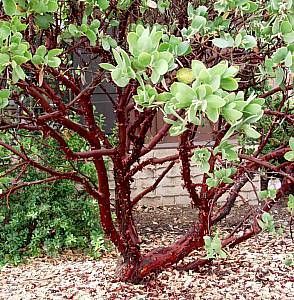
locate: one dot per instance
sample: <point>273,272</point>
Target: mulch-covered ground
<point>255,270</point>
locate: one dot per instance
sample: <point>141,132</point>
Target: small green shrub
<point>47,219</point>
<point>51,217</point>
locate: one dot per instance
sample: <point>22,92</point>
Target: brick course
<point>170,190</point>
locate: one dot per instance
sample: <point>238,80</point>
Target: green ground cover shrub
<point>47,219</point>
<point>51,217</point>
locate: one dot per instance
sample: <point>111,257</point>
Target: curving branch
<point>151,188</point>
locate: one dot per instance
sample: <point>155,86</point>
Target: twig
<point>154,185</point>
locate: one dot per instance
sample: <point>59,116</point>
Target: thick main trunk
<point>132,270</point>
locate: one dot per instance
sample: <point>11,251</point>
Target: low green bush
<point>47,219</point>
<point>52,217</point>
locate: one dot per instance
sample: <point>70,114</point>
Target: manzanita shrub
<point>187,62</point>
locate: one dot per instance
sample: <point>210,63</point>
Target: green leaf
<point>114,23</point>
<point>117,58</point>
<point>41,51</point>
<point>200,158</point>
<point>4,31</point>
<point>203,90</point>
<point>276,27</point>
<point>212,182</point>
<point>213,247</point>
<point>18,74</point>
<point>185,75</point>
<point>238,40</point>
<point>215,83</point>
<point>95,24</point>
<point>183,48</point>
<point>289,156</point>
<point>3,102</point>
<point>19,59</point>
<point>212,114</point>
<point>248,42</point>
<point>130,72</point>
<point>132,39</point>
<point>198,22</point>
<point>204,76</point>
<point>183,93</point>
<point>112,42</point>
<point>17,25</point>
<point>251,6</point>
<point>289,262</point>
<point>119,79</point>
<point>192,115</point>
<point>266,217</point>
<point>54,52</point>
<point>107,67</point>
<point>73,30</point>
<point>156,36</point>
<point>4,95</point>
<point>103,4</point>
<point>84,28</point>
<point>144,59</point>
<point>52,6</point>
<point>4,59</point>
<point>91,35</point>
<point>291,143</point>
<point>222,43</point>
<point>205,167</point>
<point>125,58</point>
<point>37,60</point>
<point>167,120</point>
<point>197,67</point>
<point>289,37</point>
<point>231,115</point>
<point>155,76</point>
<point>144,42</point>
<point>231,72</point>
<point>177,129</point>
<point>231,155</point>
<point>105,44</point>
<point>165,47</point>
<point>9,7</point>
<point>214,101</point>
<point>266,222</point>
<point>250,132</point>
<point>44,21</point>
<point>280,55</point>
<point>222,254</point>
<point>219,69</point>
<point>288,60</point>
<point>268,194</point>
<point>163,97</point>
<point>252,109</point>
<point>229,84</point>
<point>280,76</point>
<point>54,62</point>
<point>285,27</point>
<point>291,204</point>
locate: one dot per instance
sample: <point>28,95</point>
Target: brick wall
<point>170,191</point>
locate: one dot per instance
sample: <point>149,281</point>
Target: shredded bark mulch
<point>254,270</point>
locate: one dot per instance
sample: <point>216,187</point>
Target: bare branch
<point>154,185</point>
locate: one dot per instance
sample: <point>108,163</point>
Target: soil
<point>254,270</point>
<point>173,221</point>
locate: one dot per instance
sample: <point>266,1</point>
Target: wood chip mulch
<point>254,270</point>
